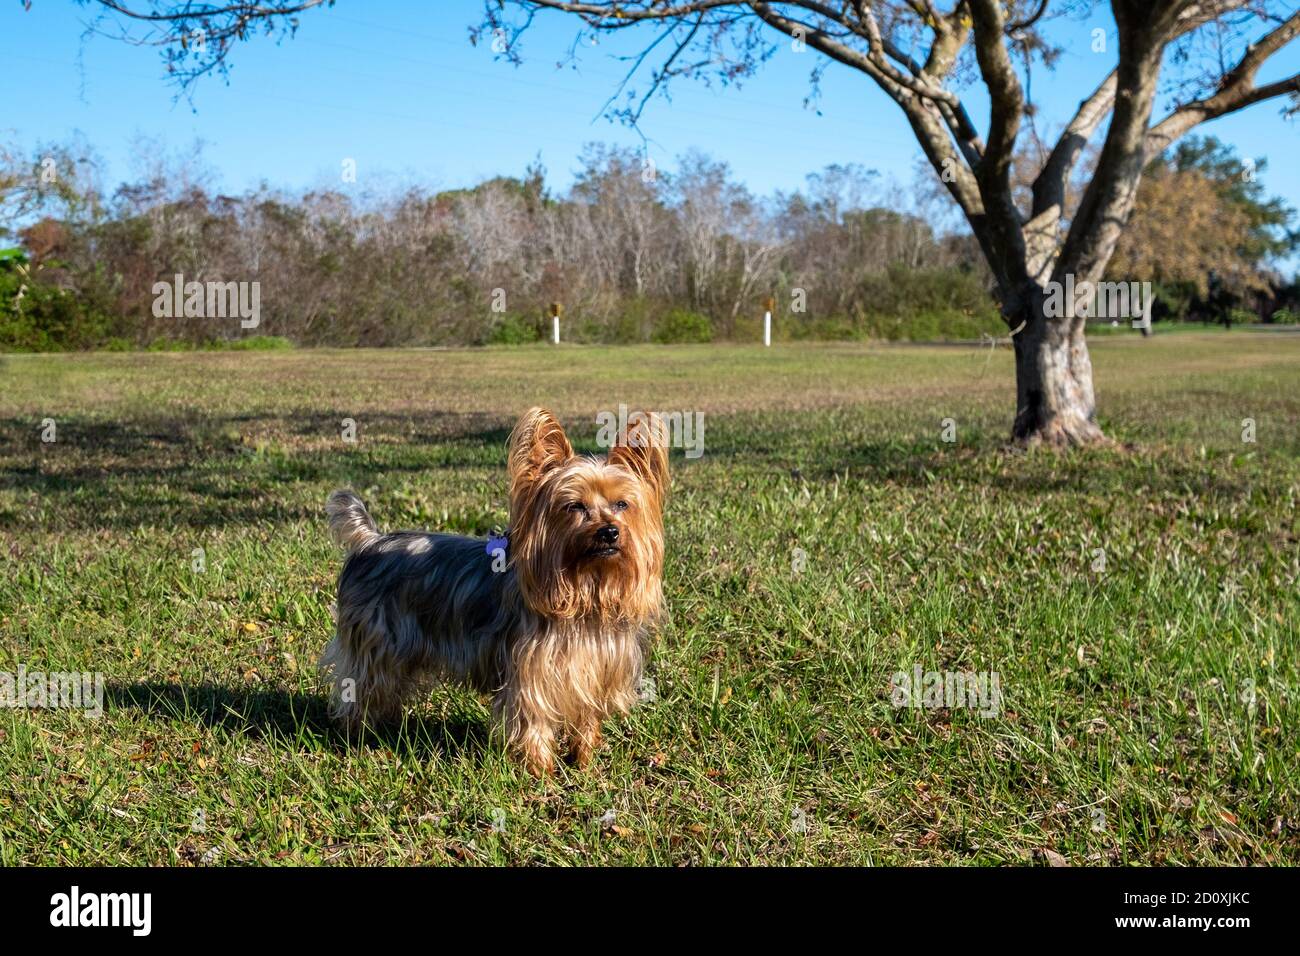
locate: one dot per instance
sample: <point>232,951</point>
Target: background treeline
<point>633,253</point>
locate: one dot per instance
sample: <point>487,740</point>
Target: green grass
<point>1149,709</point>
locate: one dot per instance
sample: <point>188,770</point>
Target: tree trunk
<point>1054,398</point>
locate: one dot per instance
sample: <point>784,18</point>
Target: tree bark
<point>1055,403</point>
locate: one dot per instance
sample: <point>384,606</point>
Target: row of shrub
<point>900,304</point>
<point>897,305</point>
<point>687,256</point>
<point>37,315</point>
<point>674,326</point>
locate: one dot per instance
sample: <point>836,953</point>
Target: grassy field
<point>1139,606</point>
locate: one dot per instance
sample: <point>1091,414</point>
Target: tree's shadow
<point>197,471</point>
<point>242,469</point>
<point>284,717</point>
<point>1018,471</point>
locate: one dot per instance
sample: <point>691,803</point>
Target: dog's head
<point>586,533</point>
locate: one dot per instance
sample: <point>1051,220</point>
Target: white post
<point>767,329</point>
<point>555,329</point>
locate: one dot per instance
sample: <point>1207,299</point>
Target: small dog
<point>556,632</point>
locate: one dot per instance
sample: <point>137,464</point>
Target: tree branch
<point>1146,27</point>
<point>994,171</point>
<point>1236,91</point>
<point>1049,189</point>
<point>1028,21</point>
<point>199,36</point>
<point>923,115</point>
<point>243,12</point>
<point>1051,184</point>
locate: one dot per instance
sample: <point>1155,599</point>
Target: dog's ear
<point>536,445</point>
<point>645,452</point>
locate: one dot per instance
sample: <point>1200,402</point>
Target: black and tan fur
<point>557,638</point>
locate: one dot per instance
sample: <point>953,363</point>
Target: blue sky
<point>396,85</point>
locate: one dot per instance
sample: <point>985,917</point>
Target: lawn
<point>1139,606</point>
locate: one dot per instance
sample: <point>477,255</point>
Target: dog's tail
<point>350,524</point>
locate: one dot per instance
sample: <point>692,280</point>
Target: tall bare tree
<point>921,53</point>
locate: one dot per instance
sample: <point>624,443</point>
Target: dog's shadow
<point>291,717</point>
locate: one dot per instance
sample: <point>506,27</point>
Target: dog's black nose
<point>607,534</point>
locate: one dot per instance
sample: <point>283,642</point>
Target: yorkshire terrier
<point>555,628</point>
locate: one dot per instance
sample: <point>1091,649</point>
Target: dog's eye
<point>576,507</point>
<point>620,505</point>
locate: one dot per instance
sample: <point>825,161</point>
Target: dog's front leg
<point>586,737</point>
<point>530,734</point>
